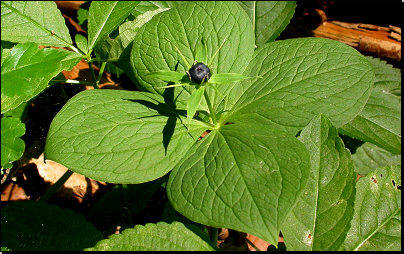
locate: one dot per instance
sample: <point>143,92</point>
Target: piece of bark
<point>369,42</point>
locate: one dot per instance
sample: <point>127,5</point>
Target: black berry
<point>199,72</point>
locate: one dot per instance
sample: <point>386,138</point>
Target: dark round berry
<point>198,72</point>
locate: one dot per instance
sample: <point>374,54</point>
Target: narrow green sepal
<point>194,102</point>
<point>168,76</point>
<point>201,54</point>
<point>226,78</point>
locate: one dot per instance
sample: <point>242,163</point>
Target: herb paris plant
<point>246,175</point>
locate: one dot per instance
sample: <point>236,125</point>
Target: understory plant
<point>241,130</point>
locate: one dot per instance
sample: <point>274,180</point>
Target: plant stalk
<point>93,75</point>
<point>54,188</point>
<point>211,111</point>
<point>100,73</point>
<point>248,241</point>
<point>214,235</point>
<point>125,202</point>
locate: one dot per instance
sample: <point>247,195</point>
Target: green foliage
<point>154,237</point>
<point>12,147</point>
<point>321,218</point>
<point>105,16</point>
<point>266,25</point>
<point>32,69</point>
<point>111,211</point>
<point>376,224</point>
<point>36,225</point>
<point>250,172</point>
<point>368,157</point>
<point>26,21</point>
<point>380,121</point>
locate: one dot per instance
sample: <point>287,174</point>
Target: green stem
<point>213,236</point>
<point>93,75</point>
<point>100,73</point>
<point>125,202</point>
<point>72,81</point>
<point>54,188</point>
<point>245,238</point>
<point>109,60</point>
<point>211,111</point>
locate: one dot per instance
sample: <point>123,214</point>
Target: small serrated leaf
<point>12,146</point>
<point>379,122</point>
<point>376,225</point>
<point>154,237</point>
<point>31,68</point>
<point>82,43</point>
<point>368,157</point>
<point>36,226</point>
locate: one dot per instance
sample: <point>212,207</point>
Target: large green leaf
<point>38,226</point>
<point>12,147</point>
<point>119,136</point>
<point>27,70</point>
<point>368,157</point>
<point>183,27</point>
<point>269,18</point>
<point>113,48</point>
<point>241,177</point>
<point>145,6</point>
<point>376,225</point>
<point>105,16</point>
<point>154,237</point>
<point>33,21</point>
<point>302,78</point>
<point>380,121</point>
<point>321,218</point>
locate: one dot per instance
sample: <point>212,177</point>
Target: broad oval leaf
<point>269,18</point>
<point>34,21</point>
<point>105,16</point>
<point>27,70</point>
<point>321,217</point>
<point>301,79</point>
<point>241,177</point>
<point>119,136</point>
<point>183,27</point>
<point>376,225</point>
<point>154,237</point>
